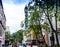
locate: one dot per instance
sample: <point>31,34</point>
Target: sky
<point>14,12</point>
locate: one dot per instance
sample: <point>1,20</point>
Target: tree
<point>35,17</point>
<point>34,20</point>
<point>7,35</point>
<point>50,8</point>
<point>7,38</point>
<point>46,27</point>
<point>26,17</point>
<point>19,36</point>
<point>13,39</point>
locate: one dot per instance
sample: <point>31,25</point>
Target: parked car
<point>34,42</point>
<point>22,45</point>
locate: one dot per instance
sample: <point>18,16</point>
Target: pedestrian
<point>24,45</point>
<point>31,45</point>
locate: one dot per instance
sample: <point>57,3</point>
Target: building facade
<point>2,25</point>
<point>30,37</point>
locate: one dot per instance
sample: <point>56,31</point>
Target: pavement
<point>33,46</point>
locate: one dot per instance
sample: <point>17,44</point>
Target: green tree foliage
<point>34,20</point>
<point>19,35</point>
<point>7,38</point>
<point>26,17</point>
<point>13,37</point>
<point>51,8</point>
<point>7,35</point>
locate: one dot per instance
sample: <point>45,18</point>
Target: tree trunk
<point>46,38</point>
<point>37,40</point>
<point>56,32</point>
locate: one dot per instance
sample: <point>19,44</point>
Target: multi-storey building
<point>2,25</point>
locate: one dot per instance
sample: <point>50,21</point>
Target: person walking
<point>31,45</point>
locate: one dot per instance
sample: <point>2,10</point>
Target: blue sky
<point>14,12</point>
<point>16,1</point>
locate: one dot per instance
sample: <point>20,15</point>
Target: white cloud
<point>14,15</point>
